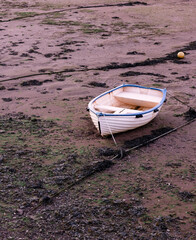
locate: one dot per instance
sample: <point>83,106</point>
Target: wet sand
<point>51,52</point>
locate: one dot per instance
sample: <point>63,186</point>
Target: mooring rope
<point>114,140</point>
<point>177,99</point>
<point>161,135</point>
<point>110,131</point>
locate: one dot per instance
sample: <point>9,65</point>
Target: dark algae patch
<point>31,83</point>
<point>97,167</point>
<point>126,4</point>
<point>144,140</point>
<point>7,99</point>
<point>190,114</point>
<point>98,84</point>
<point>105,151</point>
<point>135,53</point>
<point>2,88</point>
<point>133,73</point>
<point>186,196</point>
<point>183,78</point>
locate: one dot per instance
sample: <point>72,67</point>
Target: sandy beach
<point>57,176</point>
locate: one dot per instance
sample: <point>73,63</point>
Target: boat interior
<point>128,100</point>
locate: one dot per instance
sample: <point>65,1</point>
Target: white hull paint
<point>110,122</point>
<point>118,124</point>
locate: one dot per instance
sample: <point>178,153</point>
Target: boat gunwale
<point>128,114</point>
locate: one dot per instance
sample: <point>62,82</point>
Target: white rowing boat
<point>125,107</point>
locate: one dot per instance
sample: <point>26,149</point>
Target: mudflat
<point>59,179</point>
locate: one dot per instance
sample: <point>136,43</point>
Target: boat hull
<point>111,123</point>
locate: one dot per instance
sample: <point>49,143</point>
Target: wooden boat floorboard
<point>138,99</point>
<point>112,109</point>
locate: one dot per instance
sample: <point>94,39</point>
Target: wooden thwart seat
<point>112,109</point>
<point>138,99</point>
